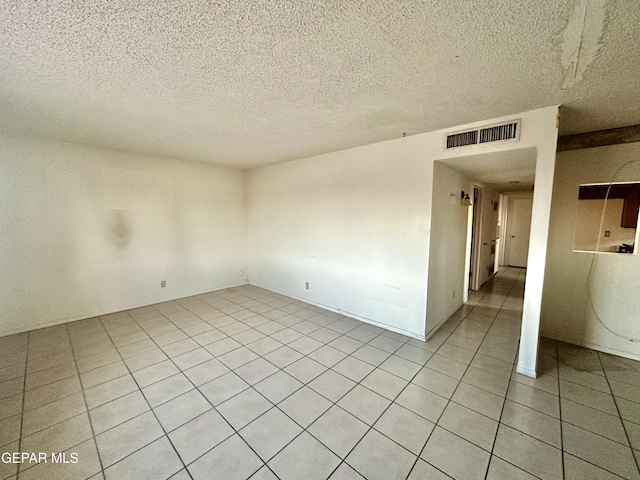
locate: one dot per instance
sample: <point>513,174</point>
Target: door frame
<point>504,260</point>
<point>499,256</point>
<point>476,236</point>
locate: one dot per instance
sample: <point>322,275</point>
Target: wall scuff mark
<point>582,39</point>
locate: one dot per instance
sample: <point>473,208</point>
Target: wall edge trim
<point>526,372</point>
<point>596,347</point>
<point>62,321</point>
<point>345,313</point>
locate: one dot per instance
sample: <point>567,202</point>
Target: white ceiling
<point>247,83</point>
<point>499,170</point>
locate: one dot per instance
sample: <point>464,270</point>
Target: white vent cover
<point>493,133</point>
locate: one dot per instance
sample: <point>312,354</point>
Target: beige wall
<point>87,230</point>
<point>567,313</point>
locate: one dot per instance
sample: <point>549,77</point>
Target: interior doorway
<point>508,172</point>
<point>468,218</point>
<point>518,229</point>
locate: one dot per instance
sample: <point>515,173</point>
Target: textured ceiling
<point>247,83</point>
<point>499,170</point>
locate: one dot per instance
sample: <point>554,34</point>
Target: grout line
<point>436,424</point>
<point>370,427</point>
<point>85,412</point>
<point>305,384</point>
<point>54,381</point>
<point>591,463</point>
<point>605,393</point>
<point>24,395</point>
<point>86,406</point>
<point>150,409</point>
<point>379,333</point>
<point>564,473</point>
<point>624,427</point>
<point>599,434</point>
<point>304,429</point>
<point>504,403</point>
<point>212,406</point>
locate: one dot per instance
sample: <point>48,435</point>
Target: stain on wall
<point>119,228</point>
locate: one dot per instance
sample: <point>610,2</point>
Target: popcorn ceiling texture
<point>247,83</point>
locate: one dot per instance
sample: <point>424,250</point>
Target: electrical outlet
<point>306,285</point>
<point>163,283</point>
<point>607,233</point>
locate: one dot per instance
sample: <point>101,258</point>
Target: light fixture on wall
<point>465,199</point>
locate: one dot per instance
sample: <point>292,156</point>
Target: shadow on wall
<point>119,228</point>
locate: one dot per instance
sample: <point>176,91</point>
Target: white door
<point>518,229</point>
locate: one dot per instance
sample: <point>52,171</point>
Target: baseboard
<point>53,323</point>
<point>435,329</point>
<point>595,346</point>
<point>526,372</point>
<point>345,313</point>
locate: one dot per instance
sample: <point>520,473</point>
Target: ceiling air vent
<point>494,133</point>
<point>462,139</point>
<point>508,131</point>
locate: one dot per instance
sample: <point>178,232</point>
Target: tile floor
<point>246,383</point>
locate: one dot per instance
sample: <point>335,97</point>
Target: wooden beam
<point>600,138</point>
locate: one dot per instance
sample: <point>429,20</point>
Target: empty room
<point>319,240</point>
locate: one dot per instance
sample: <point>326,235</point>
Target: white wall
<point>356,224</point>
<point>353,224</point>
<point>85,231</point>
<point>447,259</point>
<point>567,314</point>
<point>90,230</point>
